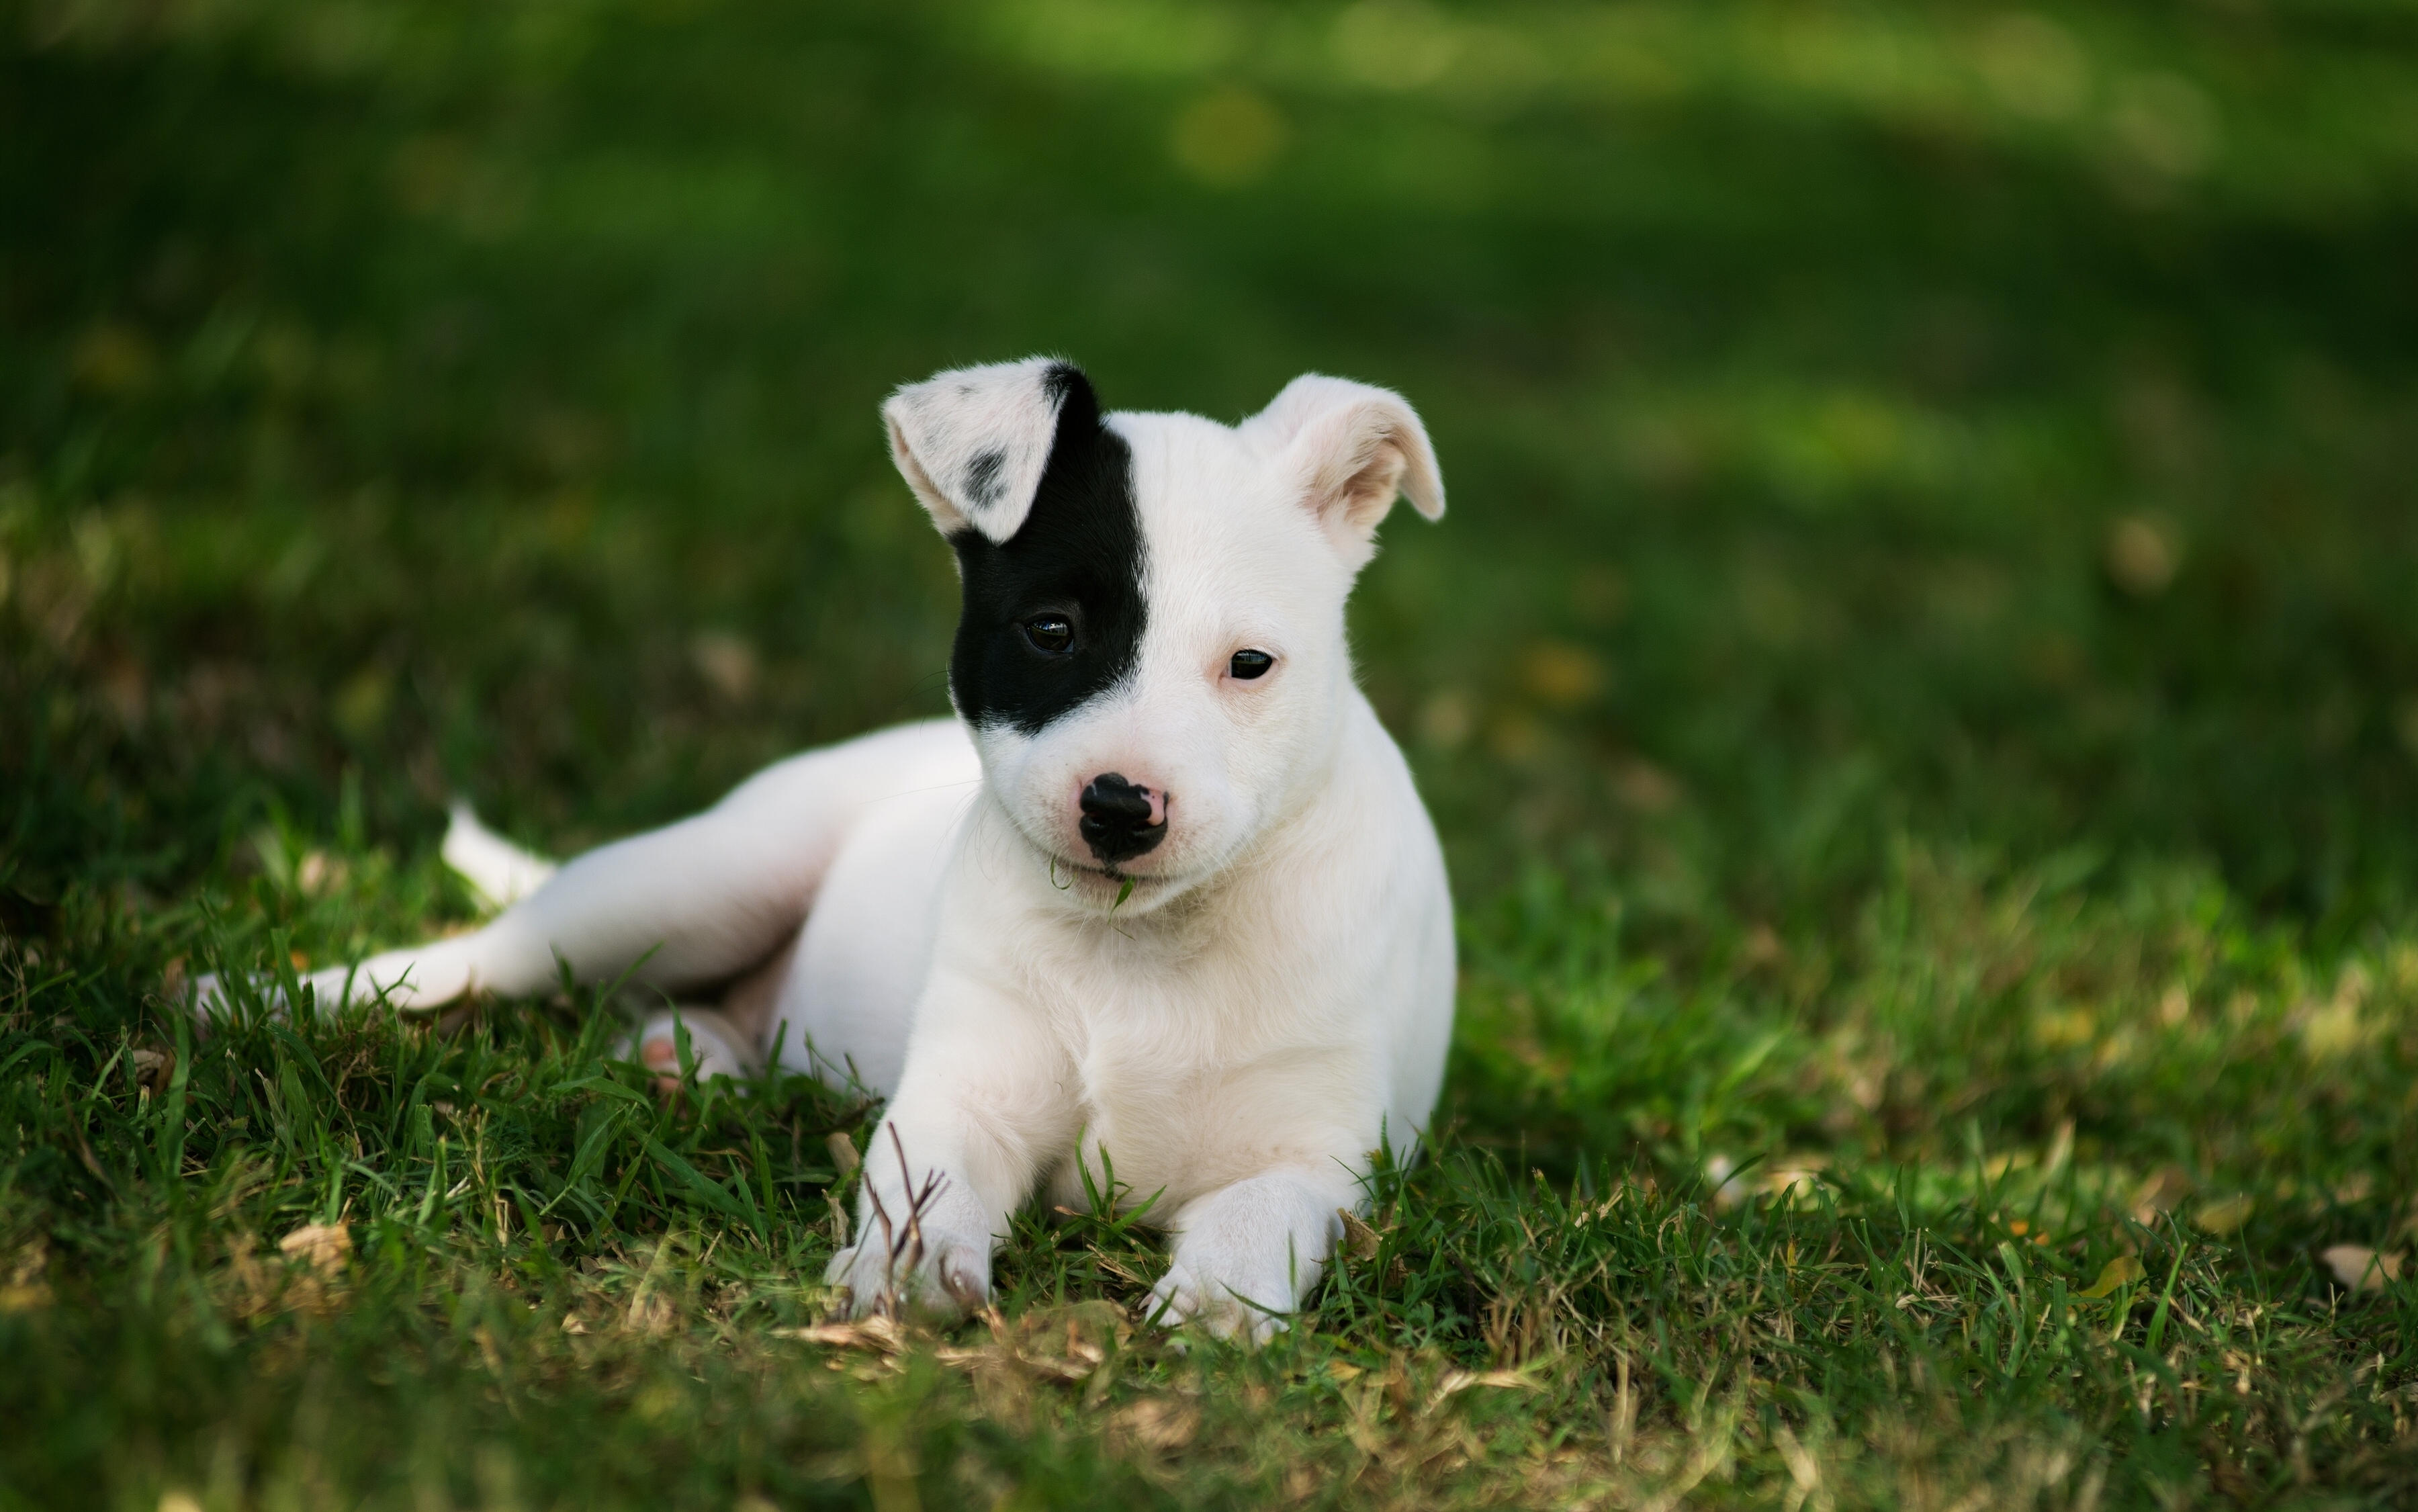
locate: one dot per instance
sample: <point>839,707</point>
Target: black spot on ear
<point>982,479</point>
<point>1078,555</point>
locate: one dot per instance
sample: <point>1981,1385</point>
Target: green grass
<point>1917,683</point>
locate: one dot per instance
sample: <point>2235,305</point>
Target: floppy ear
<point>1353,449</point>
<point>974,442</point>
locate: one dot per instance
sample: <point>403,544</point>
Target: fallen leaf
<point>2226,1214</point>
<point>318,873</point>
<point>651,1313</point>
<point>2120,1271</point>
<point>1786,1177</point>
<point>323,1246</point>
<point>1643,786</point>
<point>1158,1422</point>
<point>843,1153</point>
<point>1359,1239</point>
<point>2165,1189</point>
<point>1457,1381</point>
<point>1560,674</point>
<point>2360,1268</point>
<point>878,1334</point>
<point>2141,556</point>
<point>727,663</point>
<point>1051,1368</point>
<point>153,1069</point>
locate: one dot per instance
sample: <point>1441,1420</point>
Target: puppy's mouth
<point>1063,866</point>
<point>1094,879</point>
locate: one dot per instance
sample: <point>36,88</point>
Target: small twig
<point>902,1242</point>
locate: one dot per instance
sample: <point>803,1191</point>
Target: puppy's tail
<point>500,872</point>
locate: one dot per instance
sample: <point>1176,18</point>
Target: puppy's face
<point>1152,654</point>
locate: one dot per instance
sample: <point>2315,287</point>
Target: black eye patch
<point>1053,617</point>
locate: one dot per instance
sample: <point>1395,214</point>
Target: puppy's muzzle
<point>1121,819</point>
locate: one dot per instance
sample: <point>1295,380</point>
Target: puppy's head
<point>1152,654</point>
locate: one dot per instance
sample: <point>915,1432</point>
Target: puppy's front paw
<point>1226,1306</point>
<point>951,1276</point>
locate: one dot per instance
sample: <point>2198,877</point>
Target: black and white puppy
<point>1164,888</point>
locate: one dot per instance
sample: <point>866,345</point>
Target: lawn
<point>1918,684</point>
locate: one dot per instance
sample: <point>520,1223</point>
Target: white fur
<point>1238,1034</point>
<point>500,872</point>
<point>972,443</point>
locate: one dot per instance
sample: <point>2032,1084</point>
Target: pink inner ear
<point>936,503</point>
<point>1359,457</point>
<point>1371,491</point>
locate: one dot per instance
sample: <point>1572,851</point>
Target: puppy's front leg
<point>1248,1253</point>
<point>981,1108</point>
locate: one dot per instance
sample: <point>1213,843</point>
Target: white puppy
<point>1163,891</point>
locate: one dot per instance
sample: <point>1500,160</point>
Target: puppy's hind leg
<point>431,974</point>
<point>680,907</point>
<point>728,1041</point>
<point>749,1003</point>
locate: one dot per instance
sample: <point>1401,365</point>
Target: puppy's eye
<point>1051,632</point>
<point>1250,664</point>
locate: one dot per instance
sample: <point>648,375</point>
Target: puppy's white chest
<point>1188,1079</point>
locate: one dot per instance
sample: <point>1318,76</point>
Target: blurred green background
<point>1874,431</point>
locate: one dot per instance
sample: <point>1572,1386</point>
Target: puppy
<point>1163,893</point>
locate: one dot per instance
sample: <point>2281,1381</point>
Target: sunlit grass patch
<point>365,1224</point>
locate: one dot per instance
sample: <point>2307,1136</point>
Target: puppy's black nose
<point>1121,819</point>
